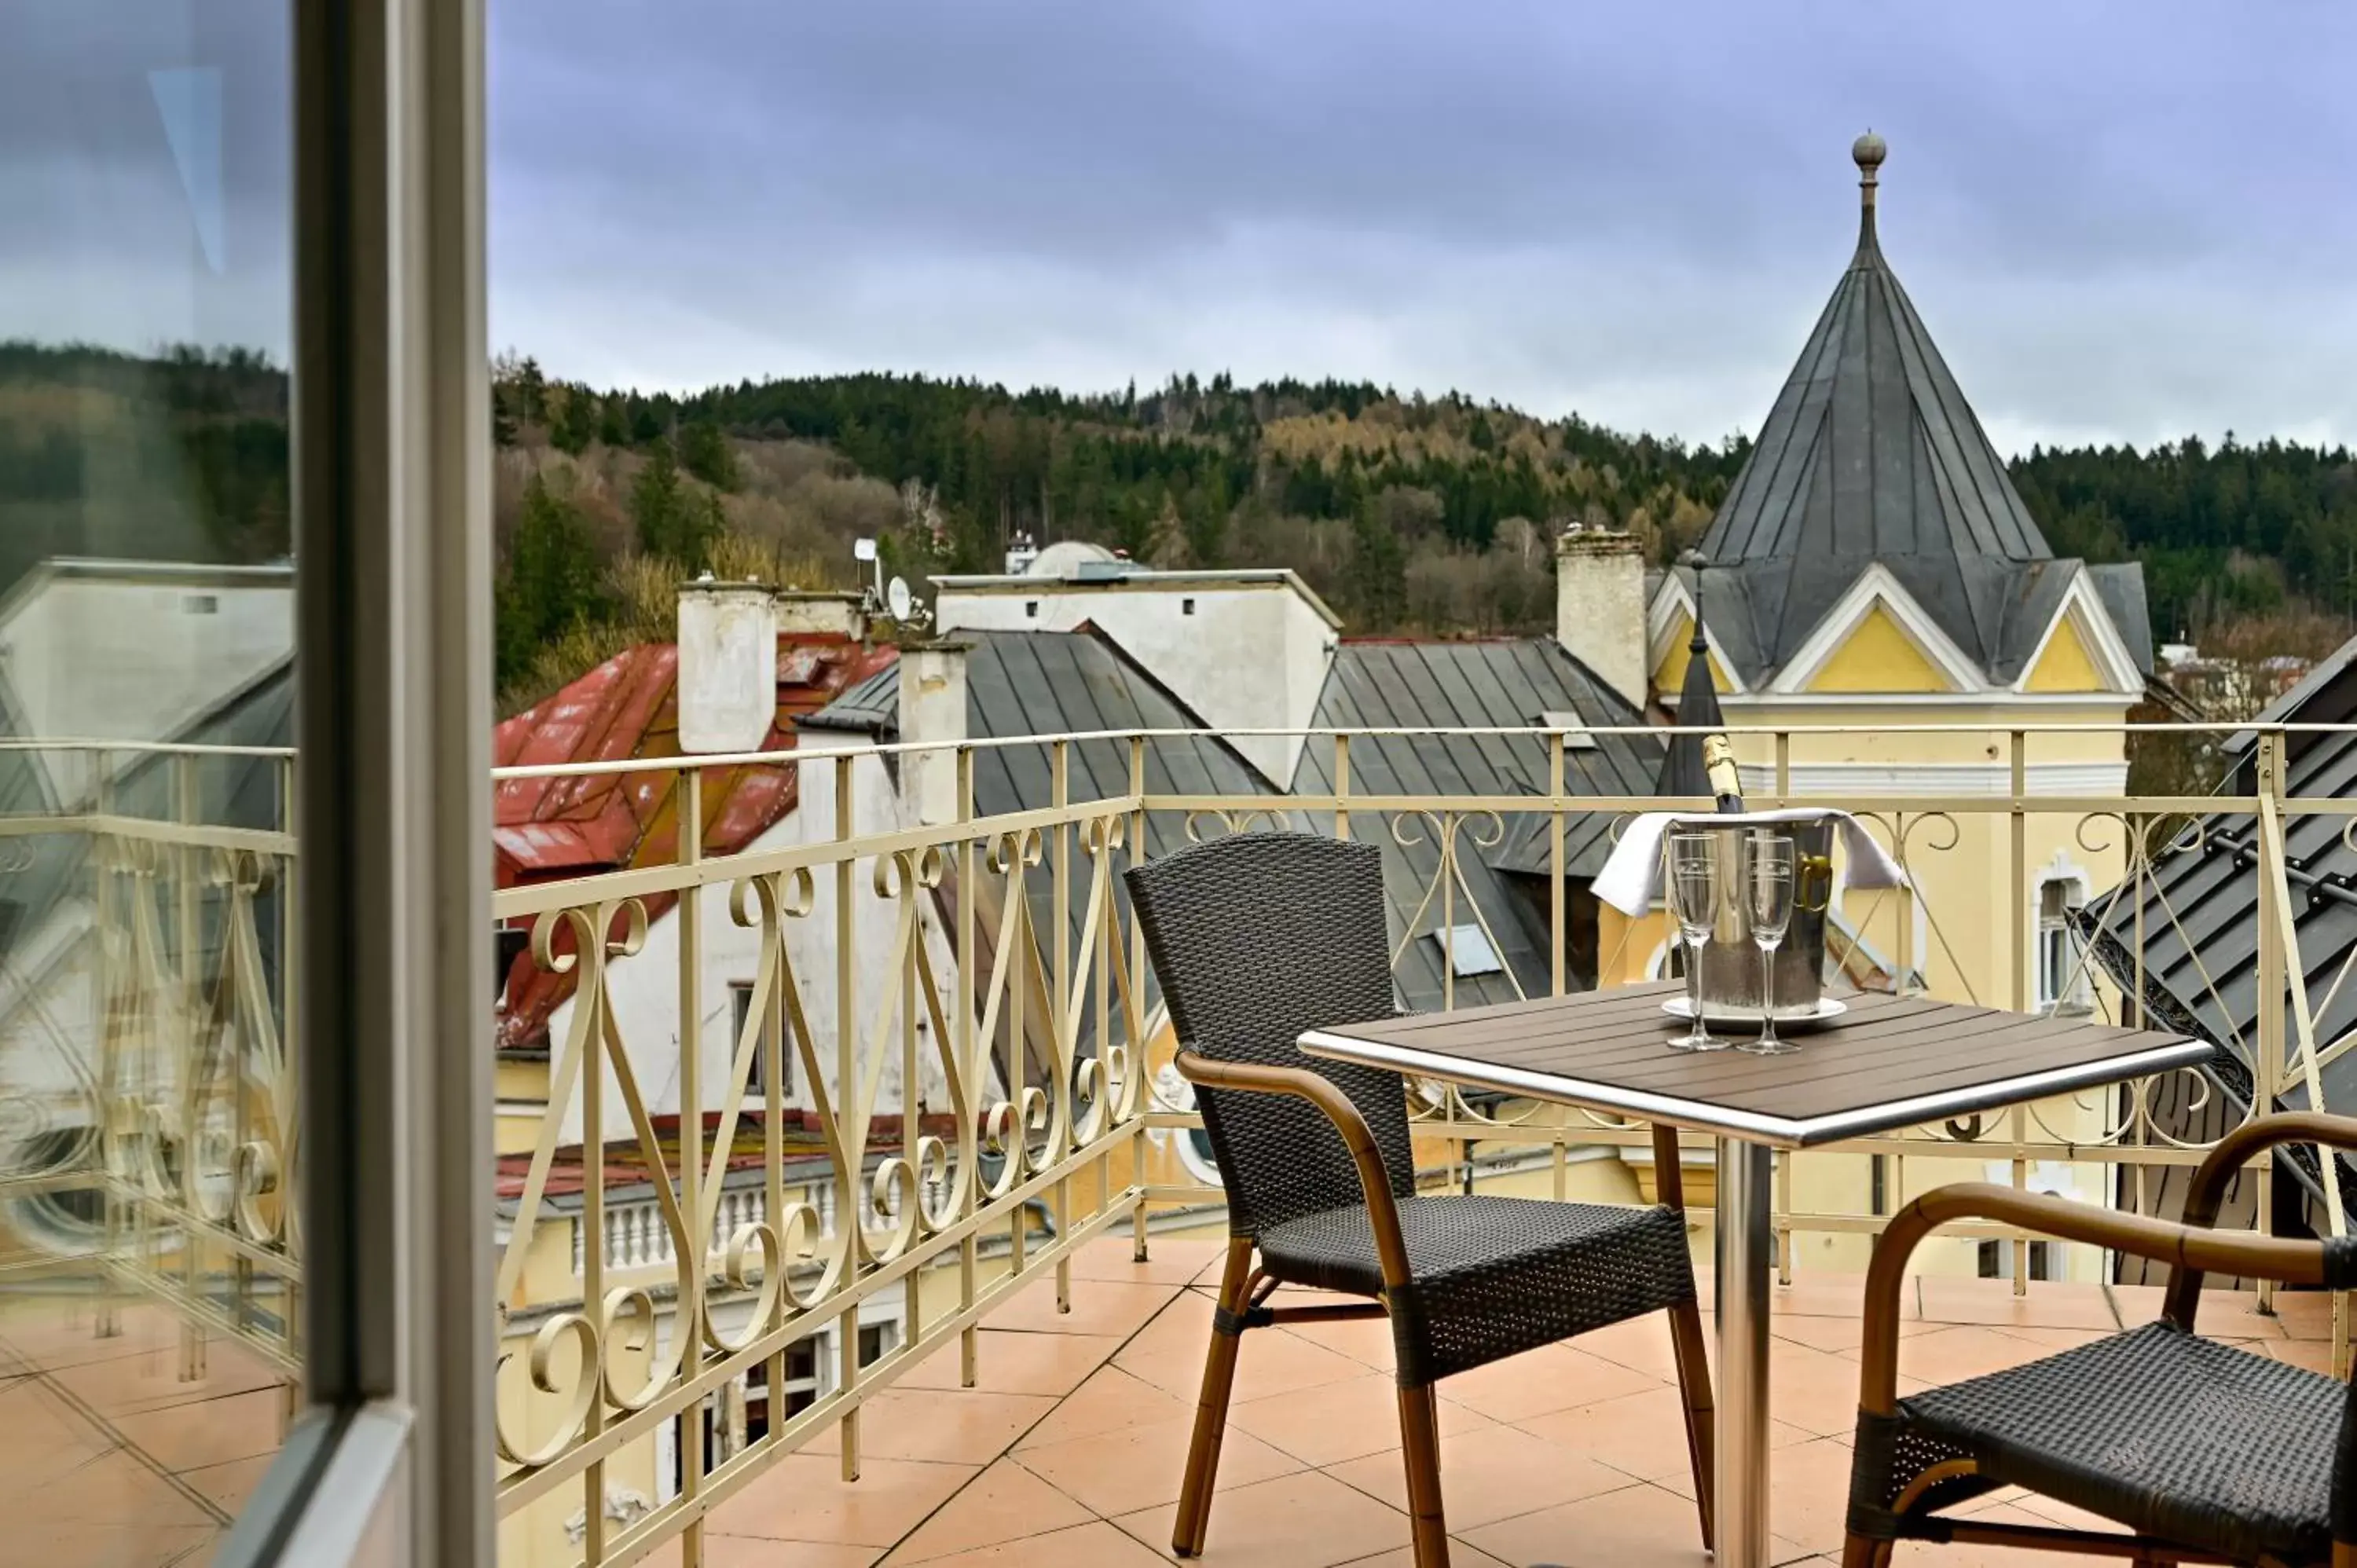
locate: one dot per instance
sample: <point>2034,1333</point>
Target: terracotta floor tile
<point>1012,1363</point>
<point>1640,1343</point>
<point>1110,1401</point>
<point>53,1334</point>
<point>2304,1314</point>
<point>1169,1353</point>
<point>1094,1545</point>
<point>1003,1503</point>
<point>1639,1526</point>
<point>1818,1295</point>
<point>1808,1494</point>
<point>230,1485</point>
<point>1641,1434</point>
<point>2316,1355</point>
<point>1551,1378</point>
<point>1955,1554</point>
<point>1116,1307</point>
<point>1837,1334</point>
<point>1141,1466</point>
<point>209,1432</point>
<point>1461,1554</point>
<point>753,1551</point>
<point>1174,1262</point>
<point>1486,1476</point>
<point>804,1497</point>
<point>2051,1304</point>
<point>112,1490</point>
<point>955,1426</point>
<point>1952,1355</point>
<point>1812,1389</point>
<point>1347,1420</point>
<point>1366,1340</point>
<point>1308,1521</point>
<point>125,1384</point>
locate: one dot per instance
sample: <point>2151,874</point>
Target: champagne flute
<point>1768,902</point>
<point>1695,894</point>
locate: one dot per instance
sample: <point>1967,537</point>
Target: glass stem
<point>1767,995</point>
<point>1693,986</point>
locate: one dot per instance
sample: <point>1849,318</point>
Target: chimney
<point>727,665</point>
<point>823,613</point>
<point>1020,553</point>
<point>932,709</point>
<point>1599,606</point>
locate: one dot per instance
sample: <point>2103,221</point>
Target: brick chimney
<point>1599,606</point>
<point>932,708</point>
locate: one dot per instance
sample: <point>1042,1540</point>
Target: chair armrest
<point>2208,1188</point>
<point>2181,1246</point>
<point>1383,1210</point>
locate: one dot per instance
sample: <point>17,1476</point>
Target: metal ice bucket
<point>1730,962</point>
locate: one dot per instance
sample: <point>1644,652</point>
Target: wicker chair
<point>2204,1452</point>
<point>1256,938</point>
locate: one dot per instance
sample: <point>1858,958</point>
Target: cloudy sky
<point>2121,220</point>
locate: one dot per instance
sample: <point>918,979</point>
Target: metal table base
<point>1740,1489</point>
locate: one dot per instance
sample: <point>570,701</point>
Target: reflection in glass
<point>149,1266</point>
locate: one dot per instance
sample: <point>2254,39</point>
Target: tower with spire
<point>1873,569</point>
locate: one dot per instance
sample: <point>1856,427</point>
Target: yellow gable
<point>2066,665</point>
<point>1878,656</point>
<point>1671,678</point>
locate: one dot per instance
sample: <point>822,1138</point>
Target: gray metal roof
<point>1047,683</point>
<point>2200,910</point>
<point>1503,684</point>
<point>1871,453</point>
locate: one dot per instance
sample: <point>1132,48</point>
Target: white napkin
<point>1632,877</point>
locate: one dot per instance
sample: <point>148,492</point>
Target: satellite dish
<point>896,599</point>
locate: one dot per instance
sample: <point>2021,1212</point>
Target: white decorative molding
<point>1661,633</point>
<point>1875,585</point>
<point>2082,606</point>
<point>2074,779</point>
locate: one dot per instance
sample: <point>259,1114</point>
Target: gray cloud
<point>2121,220</point>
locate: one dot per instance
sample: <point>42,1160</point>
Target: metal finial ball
<point>1868,151</point>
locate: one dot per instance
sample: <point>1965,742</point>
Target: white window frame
<point>2060,978</point>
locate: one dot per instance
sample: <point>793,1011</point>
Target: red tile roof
<point>548,830</point>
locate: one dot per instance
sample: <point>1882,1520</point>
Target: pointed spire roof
<point>1683,772</point>
<point>1871,453</point>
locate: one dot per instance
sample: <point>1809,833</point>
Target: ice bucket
<point>1730,983</point>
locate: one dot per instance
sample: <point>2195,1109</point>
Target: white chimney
<point>823,613</point>
<point>1020,553</point>
<point>727,665</point>
<point>932,708</point>
<point>1599,606</point>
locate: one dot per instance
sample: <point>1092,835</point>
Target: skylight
<point>1469,951</point>
<point>1574,730</point>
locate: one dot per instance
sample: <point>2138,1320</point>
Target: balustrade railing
<point>889,1071</point>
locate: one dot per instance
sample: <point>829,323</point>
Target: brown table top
<point>1891,1061</point>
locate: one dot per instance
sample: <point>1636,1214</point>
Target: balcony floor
<point>1069,1453</point>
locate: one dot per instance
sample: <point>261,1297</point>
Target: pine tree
<point>551,581</point>
<point>674,521</point>
<point>704,452</point>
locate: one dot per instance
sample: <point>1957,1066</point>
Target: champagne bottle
<point>1725,780</point>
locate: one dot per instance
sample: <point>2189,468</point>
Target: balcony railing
<point>811,1112</point>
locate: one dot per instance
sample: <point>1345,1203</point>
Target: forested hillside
<point>1430,514</point>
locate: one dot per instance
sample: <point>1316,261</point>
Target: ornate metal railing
<point>811,1112</point>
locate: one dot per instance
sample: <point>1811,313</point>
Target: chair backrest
<point>1256,938</point>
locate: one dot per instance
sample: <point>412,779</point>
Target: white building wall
<point>645,986</point>
<point>1246,656</point>
<point>138,656</point>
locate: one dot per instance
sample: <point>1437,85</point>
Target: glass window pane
<point>148,1276</point>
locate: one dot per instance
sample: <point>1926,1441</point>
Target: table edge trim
<point>1783,1131</point>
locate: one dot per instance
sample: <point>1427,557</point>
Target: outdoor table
<point>1889,1062</point>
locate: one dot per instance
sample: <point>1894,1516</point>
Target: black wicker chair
<point>2204,1452</point>
<point>1257,938</point>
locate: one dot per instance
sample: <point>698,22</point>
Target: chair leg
<point>1858,1551</point>
<point>1694,1387</point>
<point>1420,1443</point>
<point>1211,1412</point>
